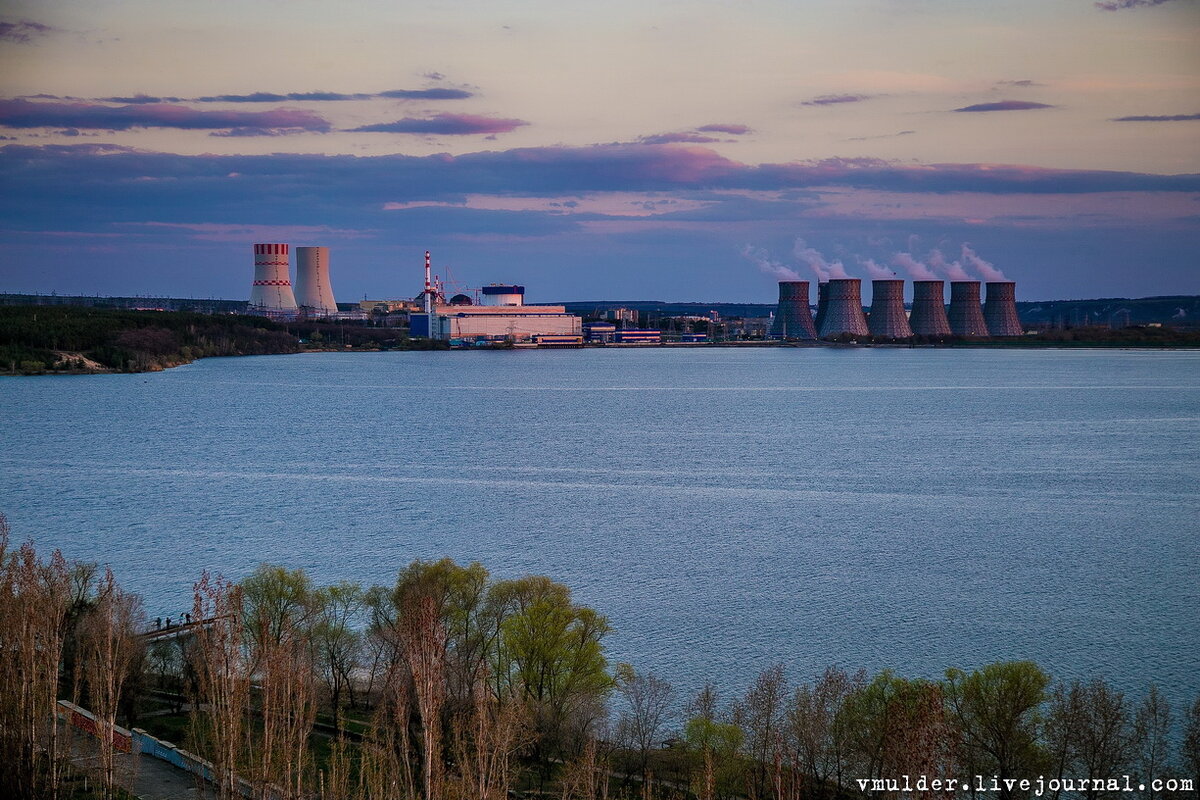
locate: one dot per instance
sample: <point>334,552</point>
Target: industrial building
<point>314,293</point>
<point>1000,309</point>
<point>966,313</point>
<point>843,310</point>
<point>928,317</point>
<point>501,316</point>
<point>793,317</point>
<point>887,318</point>
<point>271,292</point>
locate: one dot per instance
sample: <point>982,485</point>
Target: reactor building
<point>314,292</point>
<point>501,316</point>
<point>272,287</point>
<point>793,317</point>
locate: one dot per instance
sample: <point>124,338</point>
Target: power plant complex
<point>840,310</point>
<point>498,313</point>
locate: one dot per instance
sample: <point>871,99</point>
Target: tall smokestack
<point>929,309</point>
<point>272,287</point>
<point>313,290</point>
<point>843,312</point>
<point>887,310</point>
<point>793,317</point>
<point>1000,309</point>
<point>966,315</point>
<point>822,304</point>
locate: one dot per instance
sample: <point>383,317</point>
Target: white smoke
<point>951,269</point>
<point>875,271</point>
<point>769,265</point>
<point>985,269</point>
<point>917,270</point>
<point>823,269</point>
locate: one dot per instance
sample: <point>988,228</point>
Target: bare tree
<point>111,647</point>
<point>814,727</point>
<point>761,714</point>
<point>1189,748</point>
<point>647,709</point>
<point>223,670</point>
<point>1105,740</point>
<point>425,651</point>
<point>1152,730</point>
<point>34,599</point>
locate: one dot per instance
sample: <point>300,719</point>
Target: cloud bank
<point>1005,105</point>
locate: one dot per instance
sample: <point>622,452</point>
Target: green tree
<point>549,652</point>
<point>277,603</point>
<point>996,711</point>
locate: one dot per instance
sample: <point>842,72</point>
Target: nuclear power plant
<point>928,316</point>
<point>966,313</point>
<point>1000,309</point>
<point>840,311</point>
<point>843,309</point>
<point>793,317</point>
<point>887,318</point>
<point>272,288</point>
<point>314,293</point>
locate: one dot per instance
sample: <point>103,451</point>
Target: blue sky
<point>674,150</point>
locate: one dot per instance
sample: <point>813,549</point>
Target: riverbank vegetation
<point>67,339</point>
<point>452,685</point>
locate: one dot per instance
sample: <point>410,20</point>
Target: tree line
<point>37,339</point>
<point>452,685</point>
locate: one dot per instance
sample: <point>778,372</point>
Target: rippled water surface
<point>726,508</point>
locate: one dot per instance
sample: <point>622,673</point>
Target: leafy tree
<point>995,709</point>
<point>277,603</point>
<point>549,653</point>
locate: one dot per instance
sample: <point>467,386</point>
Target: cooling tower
<point>966,315</point>
<point>887,310</point>
<point>929,309</point>
<point>793,318</point>
<point>822,303</point>
<point>313,290</point>
<point>272,284</point>
<point>1000,309</point>
<point>843,309</point>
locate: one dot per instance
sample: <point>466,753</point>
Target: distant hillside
<point>36,339</point>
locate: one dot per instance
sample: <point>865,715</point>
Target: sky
<point>694,150</point>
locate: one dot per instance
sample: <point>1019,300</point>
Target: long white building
<point>502,315</point>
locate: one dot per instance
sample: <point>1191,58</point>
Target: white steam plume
<point>769,265</point>
<point>951,269</point>
<point>876,272</point>
<point>823,269</point>
<point>985,268</point>
<point>915,269</point>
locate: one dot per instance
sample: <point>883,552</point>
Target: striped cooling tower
<point>793,318</point>
<point>272,287</point>
<point>966,315</point>
<point>822,304</point>
<point>1000,309</point>
<point>929,309</point>
<point>313,290</point>
<point>843,311</point>
<point>887,310</point>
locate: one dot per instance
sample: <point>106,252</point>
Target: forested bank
<point>452,685</point>
<point>65,339</point>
